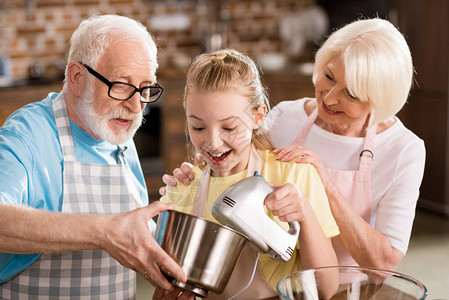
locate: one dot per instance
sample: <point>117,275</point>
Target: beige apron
<point>241,275</point>
<point>87,189</point>
<point>355,185</point>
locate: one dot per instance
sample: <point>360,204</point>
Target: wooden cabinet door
<point>425,24</point>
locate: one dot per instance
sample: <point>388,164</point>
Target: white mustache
<point>122,113</point>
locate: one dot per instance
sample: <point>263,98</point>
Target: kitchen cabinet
<point>289,84</point>
<point>14,97</point>
<point>425,24</point>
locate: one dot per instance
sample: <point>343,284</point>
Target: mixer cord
<point>251,280</point>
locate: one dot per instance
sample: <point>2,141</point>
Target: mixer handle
<point>294,228</point>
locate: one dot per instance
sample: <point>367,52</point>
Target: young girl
<point>225,106</point>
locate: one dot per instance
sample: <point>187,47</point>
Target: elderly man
<point>73,202</point>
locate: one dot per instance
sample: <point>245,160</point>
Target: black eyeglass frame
<point>110,84</point>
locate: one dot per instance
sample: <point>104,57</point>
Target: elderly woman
<point>371,165</point>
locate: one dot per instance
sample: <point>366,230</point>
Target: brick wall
<point>35,33</point>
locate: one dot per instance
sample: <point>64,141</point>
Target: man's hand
<point>127,238</point>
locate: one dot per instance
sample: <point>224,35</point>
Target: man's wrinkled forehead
<point>122,56</point>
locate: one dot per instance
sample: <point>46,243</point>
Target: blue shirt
<point>31,166</point>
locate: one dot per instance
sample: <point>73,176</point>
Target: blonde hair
<point>377,61</point>
<point>225,70</point>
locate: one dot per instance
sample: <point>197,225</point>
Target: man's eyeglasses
<point>124,91</point>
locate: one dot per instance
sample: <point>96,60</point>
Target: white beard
<point>99,124</point>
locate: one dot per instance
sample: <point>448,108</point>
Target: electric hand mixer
<point>241,207</point>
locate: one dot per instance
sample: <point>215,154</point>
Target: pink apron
<point>355,185</point>
<point>259,288</point>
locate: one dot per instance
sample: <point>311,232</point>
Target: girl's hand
<point>303,155</point>
<point>183,173</point>
<point>177,293</point>
<point>287,202</point>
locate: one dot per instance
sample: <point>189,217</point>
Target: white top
<point>396,174</point>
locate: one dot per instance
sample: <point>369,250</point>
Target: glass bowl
<point>351,283</point>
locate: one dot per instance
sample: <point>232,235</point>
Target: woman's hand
<point>301,154</point>
<point>287,202</point>
<point>177,293</point>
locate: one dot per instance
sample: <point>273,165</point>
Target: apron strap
<point>306,128</point>
<point>255,163</point>
<point>65,133</point>
<point>63,128</point>
<point>366,155</point>
<point>201,194</point>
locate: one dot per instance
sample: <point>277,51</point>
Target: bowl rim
<point>206,221</point>
<point>394,273</point>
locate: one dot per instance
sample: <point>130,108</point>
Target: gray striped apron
<point>88,189</point>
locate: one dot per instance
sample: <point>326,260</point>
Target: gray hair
<point>94,35</point>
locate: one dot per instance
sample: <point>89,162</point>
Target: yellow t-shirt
<point>304,176</point>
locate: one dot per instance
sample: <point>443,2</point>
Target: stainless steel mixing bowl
<point>206,251</point>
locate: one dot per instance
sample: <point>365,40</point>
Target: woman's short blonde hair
<point>225,70</point>
<point>378,64</point>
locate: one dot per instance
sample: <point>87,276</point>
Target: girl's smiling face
<point>220,125</point>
